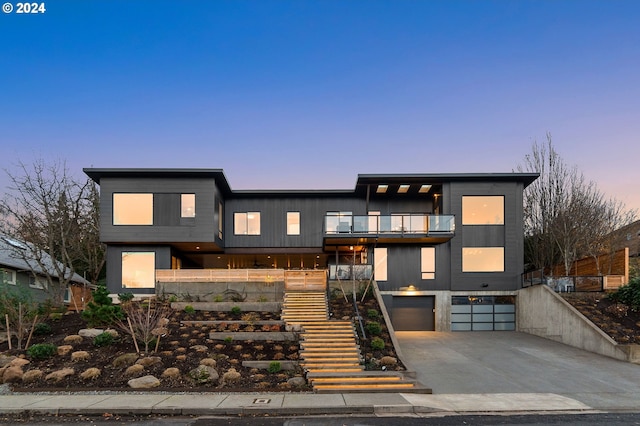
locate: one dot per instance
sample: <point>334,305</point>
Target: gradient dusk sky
<point>308,94</point>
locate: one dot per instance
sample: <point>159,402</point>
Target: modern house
<point>445,250</point>
<point>21,273</point>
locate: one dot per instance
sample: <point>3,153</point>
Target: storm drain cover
<point>261,401</point>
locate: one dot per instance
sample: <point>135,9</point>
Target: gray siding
<point>273,220</point>
<point>168,226</point>
<point>114,265</point>
<point>509,236</point>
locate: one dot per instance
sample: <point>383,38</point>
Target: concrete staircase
<point>329,352</point>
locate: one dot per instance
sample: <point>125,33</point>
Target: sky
<point>309,94</point>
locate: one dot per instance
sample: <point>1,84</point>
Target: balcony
<point>409,228</point>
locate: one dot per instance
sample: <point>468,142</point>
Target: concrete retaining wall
<point>543,313</point>
<point>210,291</point>
<point>228,306</point>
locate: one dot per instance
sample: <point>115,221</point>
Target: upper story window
<point>483,259</point>
<point>38,282</point>
<point>482,210</point>
<point>133,209</point>
<point>7,276</point>
<point>246,223</point>
<point>293,223</point>
<point>428,263</point>
<point>187,205</point>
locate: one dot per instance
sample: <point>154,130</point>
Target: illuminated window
<point>188,205</point>
<point>428,263</point>
<point>483,259</point>
<point>293,223</point>
<point>138,269</point>
<point>481,210</point>
<point>380,267</point>
<point>8,276</point>
<point>133,209</point>
<point>246,223</point>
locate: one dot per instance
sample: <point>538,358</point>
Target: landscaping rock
<point>73,339</point>
<point>209,362</point>
<point>32,376</point>
<point>125,360</point>
<point>64,350</point>
<point>149,361</point>
<point>145,382</point>
<point>230,376</point>
<point>171,373</point>
<point>388,361</point>
<point>6,359</point>
<point>56,376</point>
<point>297,382</point>
<point>90,332</point>
<point>90,373</point>
<point>19,362</point>
<point>204,374</point>
<point>80,356</point>
<point>134,370</point>
<point>112,332</point>
<point>12,374</point>
<point>199,348</point>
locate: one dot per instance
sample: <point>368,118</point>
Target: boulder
<point>56,376</point>
<point>171,373</point>
<point>80,356</point>
<point>73,339</point>
<point>90,373</point>
<point>12,374</point>
<point>125,360</point>
<point>134,370</point>
<point>149,361</point>
<point>6,359</point>
<point>90,332</point>
<point>231,376</point>
<point>297,382</point>
<point>144,382</point>
<point>64,350</point>
<point>199,348</point>
<point>388,360</point>
<point>204,374</point>
<point>209,362</point>
<point>32,376</point>
<point>19,362</point>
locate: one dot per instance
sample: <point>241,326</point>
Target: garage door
<point>413,313</point>
<point>483,313</point>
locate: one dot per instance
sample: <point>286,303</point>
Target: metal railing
<point>563,284</point>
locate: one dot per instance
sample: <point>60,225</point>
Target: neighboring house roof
<point>9,258</point>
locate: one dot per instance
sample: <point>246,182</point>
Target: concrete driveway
<point>513,362</point>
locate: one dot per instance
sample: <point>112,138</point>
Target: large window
<point>380,268</point>
<point>293,223</point>
<point>483,210</point>
<point>188,205</point>
<point>133,209</point>
<point>483,259</point>
<point>428,263</point>
<point>138,269</point>
<point>7,276</point>
<point>246,223</point>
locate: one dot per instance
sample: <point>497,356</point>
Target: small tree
<point>18,309</point>
<point>145,322</point>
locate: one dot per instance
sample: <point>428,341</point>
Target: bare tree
<point>54,214</point>
<point>566,216</point>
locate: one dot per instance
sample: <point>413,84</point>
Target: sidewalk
<point>279,404</point>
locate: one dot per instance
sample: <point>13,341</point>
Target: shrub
<point>42,351</point>
<point>101,310</point>
<point>218,298</point>
<point>41,329</point>
<point>228,339</point>
<point>628,294</point>
<point>373,314</point>
<point>274,367</point>
<point>373,328</point>
<point>189,309</point>
<point>104,339</point>
<point>236,310</point>
<point>377,343</point>
<point>125,297</point>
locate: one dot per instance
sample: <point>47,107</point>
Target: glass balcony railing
<point>394,224</point>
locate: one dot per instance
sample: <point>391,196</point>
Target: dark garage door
<point>413,313</point>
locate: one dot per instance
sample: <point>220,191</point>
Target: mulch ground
<point>615,319</point>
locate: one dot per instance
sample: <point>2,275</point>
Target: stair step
<point>347,380</point>
<point>383,387</point>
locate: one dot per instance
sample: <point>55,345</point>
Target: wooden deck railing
<point>313,279</point>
